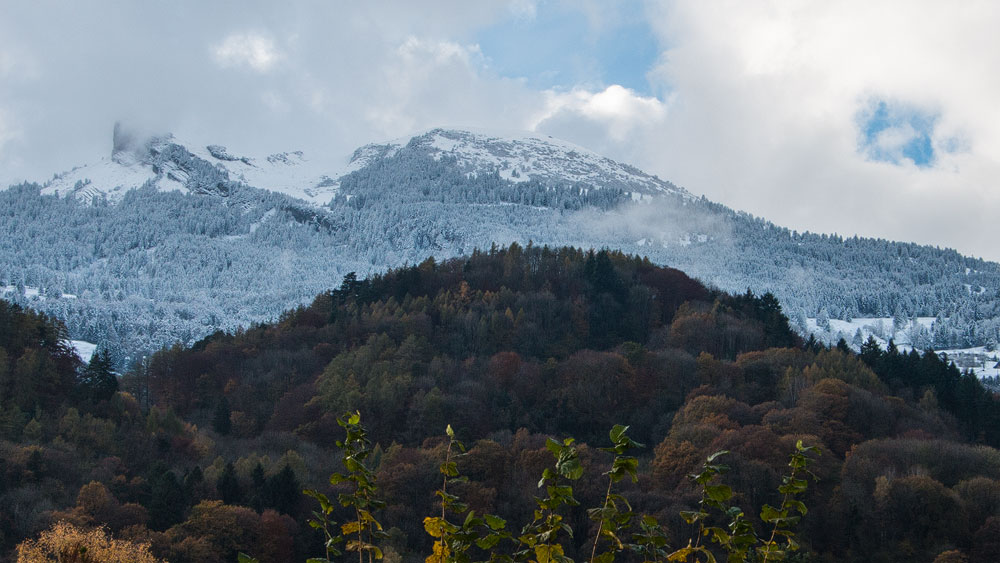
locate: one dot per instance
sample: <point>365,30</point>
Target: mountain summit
<point>170,164</point>
<point>165,240</point>
<point>522,157</point>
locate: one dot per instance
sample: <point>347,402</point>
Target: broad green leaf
<point>488,542</point>
<point>797,505</point>
<point>553,446</point>
<point>719,493</point>
<point>495,522</point>
<point>769,514</point>
<point>547,552</point>
<point>616,433</point>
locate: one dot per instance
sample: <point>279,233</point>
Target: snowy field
<point>981,361</point>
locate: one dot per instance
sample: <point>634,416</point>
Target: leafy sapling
<point>783,518</point>
<point>616,513</point>
<point>453,541</point>
<point>360,534</point>
<point>540,537</point>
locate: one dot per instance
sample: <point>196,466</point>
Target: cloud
<point>252,50</point>
<point>892,132</point>
<point>523,9</point>
<point>761,106</point>
<point>765,105</point>
<point>7,130</point>
<point>609,121</point>
<point>620,109</point>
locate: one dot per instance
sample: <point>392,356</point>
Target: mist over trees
<point>157,267</point>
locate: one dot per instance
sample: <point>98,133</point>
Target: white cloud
<point>252,50</point>
<point>758,108</point>
<point>765,99</point>
<point>419,53</point>
<point>621,110</point>
<point>523,9</point>
<point>6,63</point>
<point>7,130</point>
<point>613,121</point>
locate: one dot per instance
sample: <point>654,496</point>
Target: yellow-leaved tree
<point>66,543</point>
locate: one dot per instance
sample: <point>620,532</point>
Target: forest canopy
<point>203,451</point>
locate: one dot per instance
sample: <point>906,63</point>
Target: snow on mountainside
<point>167,163</point>
<point>188,230</point>
<point>521,157</point>
<point>170,165</point>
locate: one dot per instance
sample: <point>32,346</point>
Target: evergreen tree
<point>221,421</point>
<point>229,486</point>
<point>167,501</point>
<point>98,380</point>
<point>284,491</point>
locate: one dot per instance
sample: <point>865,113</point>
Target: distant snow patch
<point>84,350</point>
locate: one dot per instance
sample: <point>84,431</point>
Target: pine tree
<point>229,485</point>
<point>98,380</point>
<point>221,421</point>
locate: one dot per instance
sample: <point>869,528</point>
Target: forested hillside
<point>204,450</point>
<point>134,270</point>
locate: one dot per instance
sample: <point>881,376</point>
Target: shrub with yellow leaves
<point>66,543</point>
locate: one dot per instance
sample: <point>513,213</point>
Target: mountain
<point>207,450</point>
<point>166,241</point>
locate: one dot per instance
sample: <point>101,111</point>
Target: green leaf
<point>797,505</point>
<point>488,542</point>
<point>495,522</point>
<point>547,474</point>
<point>770,514</point>
<point>691,517</point>
<point>617,432</point>
<point>449,431</point>
<point>571,469</point>
<point>553,446</point>
<point>244,558</point>
<point>719,535</point>
<point>719,493</point>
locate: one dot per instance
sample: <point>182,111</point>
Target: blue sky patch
<point>892,132</point>
<point>558,48</point>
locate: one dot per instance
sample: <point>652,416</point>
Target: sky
<point>875,118</point>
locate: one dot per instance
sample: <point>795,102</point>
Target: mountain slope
<point>164,241</point>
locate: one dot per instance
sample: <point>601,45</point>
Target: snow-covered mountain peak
<point>523,156</point>
<point>169,164</point>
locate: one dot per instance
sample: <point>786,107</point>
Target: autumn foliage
<point>204,450</point>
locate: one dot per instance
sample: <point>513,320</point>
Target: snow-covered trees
<point>161,267</point>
